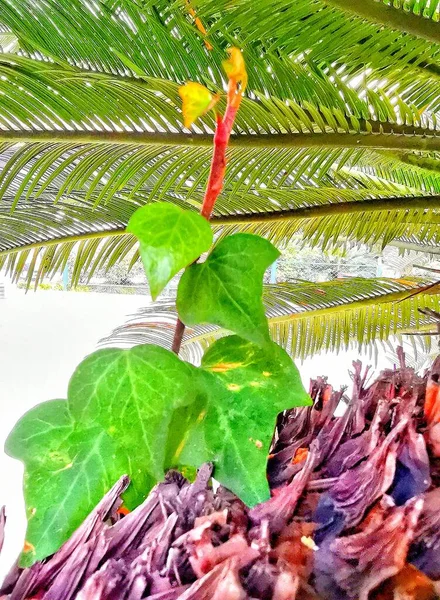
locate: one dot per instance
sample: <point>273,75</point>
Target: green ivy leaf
<point>68,470</point>
<point>132,395</point>
<point>116,420</point>
<point>170,239</point>
<point>247,386</point>
<point>226,289</point>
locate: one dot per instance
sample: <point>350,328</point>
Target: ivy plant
<point>142,411</point>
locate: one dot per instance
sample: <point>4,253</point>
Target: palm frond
<point>420,351</point>
<point>142,35</point>
<point>91,130</point>
<point>46,234</point>
<point>402,264</point>
<point>342,216</point>
<point>8,41</point>
<point>409,244</point>
<point>415,17</point>
<point>394,168</point>
<point>350,35</point>
<point>50,232</point>
<point>338,139</point>
<point>304,317</point>
<point>110,138</point>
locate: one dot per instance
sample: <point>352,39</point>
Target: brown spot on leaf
<point>28,547</point>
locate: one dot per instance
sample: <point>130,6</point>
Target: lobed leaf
<point>227,289</point>
<point>133,412</point>
<point>247,387</point>
<point>68,467</point>
<point>115,421</point>
<point>170,239</point>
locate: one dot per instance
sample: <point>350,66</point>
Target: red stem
<point>178,336</point>
<point>218,163</point>
<point>215,181</point>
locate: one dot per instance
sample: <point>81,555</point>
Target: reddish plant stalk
<point>218,163</point>
<point>216,177</point>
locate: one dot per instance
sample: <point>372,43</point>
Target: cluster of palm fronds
<point>305,317</point>
<point>337,140</point>
<point>353,514</point>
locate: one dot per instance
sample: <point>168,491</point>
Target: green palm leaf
<point>140,35</point>
<point>92,130</point>
<point>115,140</point>
<point>351,34</point>
<point>304,317</point>
<point>50,232</point>
<point>337,140</point>
<point>8,41</point>
<point>47,234</point>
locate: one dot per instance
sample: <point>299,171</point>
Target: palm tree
<point>337,140</point>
